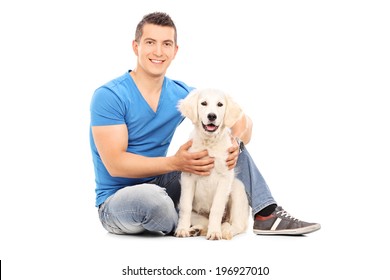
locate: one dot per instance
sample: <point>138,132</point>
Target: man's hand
<point>198,163</point>
<point>233,153</point>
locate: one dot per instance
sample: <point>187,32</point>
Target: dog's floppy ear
<point>189,106</point>
<point>233,112</point>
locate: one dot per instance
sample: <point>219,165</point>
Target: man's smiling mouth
<point>156,61</point>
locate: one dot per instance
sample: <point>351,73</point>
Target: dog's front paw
<point>214,235</point>
<point>182,232</point>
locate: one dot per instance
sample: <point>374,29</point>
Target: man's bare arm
<point>111,142</point>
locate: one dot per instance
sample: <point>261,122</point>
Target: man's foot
<point>281,222</point>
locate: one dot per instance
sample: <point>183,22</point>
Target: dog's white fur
<point>214,205</point>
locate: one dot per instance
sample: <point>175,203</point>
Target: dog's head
<point>210,110</point>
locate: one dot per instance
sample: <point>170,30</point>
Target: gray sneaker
<point>281,222</point>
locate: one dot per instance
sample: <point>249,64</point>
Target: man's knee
<point>161,210</point>
<point>162,203</point>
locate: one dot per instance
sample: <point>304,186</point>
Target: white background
<point>313,76</point>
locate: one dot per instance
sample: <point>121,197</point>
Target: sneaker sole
<point>295,231</point>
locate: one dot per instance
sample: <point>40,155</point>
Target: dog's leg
<point>185,205</point>
<point>239,208</point>
<point>217,210</point>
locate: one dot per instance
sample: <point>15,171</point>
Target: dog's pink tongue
<point>211,127</point>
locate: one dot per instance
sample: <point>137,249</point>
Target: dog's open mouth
<point>210,127</point>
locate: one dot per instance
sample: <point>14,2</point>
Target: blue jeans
<point>153,206</point>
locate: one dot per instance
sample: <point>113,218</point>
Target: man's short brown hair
<point>157,18</point>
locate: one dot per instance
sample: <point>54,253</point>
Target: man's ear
<point>135,47</point>
<point>176,49</point>
<point>189,106</point>
<point>233,112</point>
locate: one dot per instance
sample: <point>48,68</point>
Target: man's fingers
<point>187,145</point>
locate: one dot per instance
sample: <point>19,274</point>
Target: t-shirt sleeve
<point>106,108</point>
<point>187,88</point>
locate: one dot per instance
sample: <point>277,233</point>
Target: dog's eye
<point>220,104</point>
<point>204,103</point>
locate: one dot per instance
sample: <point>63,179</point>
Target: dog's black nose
<point>211,117</point>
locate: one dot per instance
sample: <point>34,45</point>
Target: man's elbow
<point>114,170</point>
<point>248,130</point>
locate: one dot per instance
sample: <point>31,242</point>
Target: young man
<point>133,119</point>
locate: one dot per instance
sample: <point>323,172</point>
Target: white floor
<point>343,249</point>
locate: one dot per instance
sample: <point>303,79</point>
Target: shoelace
<point>286,215</point>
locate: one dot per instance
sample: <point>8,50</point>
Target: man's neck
<point>147,84</point>
<point>149,87</point>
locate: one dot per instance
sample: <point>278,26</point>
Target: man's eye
<point>220,104</point>
<point>204,103</point>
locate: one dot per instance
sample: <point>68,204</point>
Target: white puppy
<point>214,205</point>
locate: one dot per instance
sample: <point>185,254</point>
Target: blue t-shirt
<point>150,133</point>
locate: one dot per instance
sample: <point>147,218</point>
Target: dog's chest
<point>217,149</point>
<point>220,177</point>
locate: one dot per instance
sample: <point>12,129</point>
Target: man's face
<point>156,49</point>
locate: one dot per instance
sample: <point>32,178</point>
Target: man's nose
<point>158,50</point>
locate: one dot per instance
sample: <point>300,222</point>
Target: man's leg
<point>257,189</point>
<point>171,183</point>
<point>134,209</point>
<point>269,218</point>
